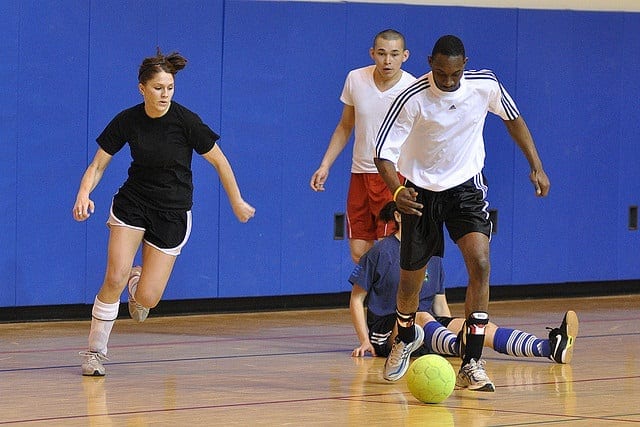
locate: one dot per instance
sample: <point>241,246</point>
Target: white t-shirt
<point>370,105</point>
<point>435,137</point>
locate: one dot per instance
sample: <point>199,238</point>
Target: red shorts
<point>367,196</point>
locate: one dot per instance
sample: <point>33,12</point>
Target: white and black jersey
<point>160,173</point>
<point>435,137</point>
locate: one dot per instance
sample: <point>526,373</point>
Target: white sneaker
<point>397,362</point>
<point>92,365</point>
<point>472,376</point>
<point>136,311</point>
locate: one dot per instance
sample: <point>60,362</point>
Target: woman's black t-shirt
<point>160,173</point>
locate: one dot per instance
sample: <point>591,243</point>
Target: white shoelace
<point>399,355</point>
<point>476,371</point>
<point>93,355</point>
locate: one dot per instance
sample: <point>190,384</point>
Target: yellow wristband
<point>398,190</point>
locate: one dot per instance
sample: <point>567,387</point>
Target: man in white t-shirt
<point>367,94</point>
<point>433,132</point>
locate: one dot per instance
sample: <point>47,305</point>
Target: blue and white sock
<point>440,340</point>
<point>520,344</point>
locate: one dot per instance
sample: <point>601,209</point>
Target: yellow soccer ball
<point>431,378</point>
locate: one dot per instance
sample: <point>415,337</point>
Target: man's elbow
<point>383,164</point>
<point>378,161</point>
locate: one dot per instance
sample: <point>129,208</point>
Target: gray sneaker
<point>472,376</point>
<point>136,311</point>
<point>92,365</point>
<point>397,362</point>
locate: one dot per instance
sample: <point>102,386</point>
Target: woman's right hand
<point>83,208</point>
<point>363,350</point>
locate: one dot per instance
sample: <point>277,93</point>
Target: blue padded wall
<point>311,260</point>
<point>627,243</point>
<point>9,45</point>
<point>254,67</point>
<point>593,195</point>
<point>562,74</point>
<point>535,258</point>
<point>267,76</point>
<point>278,114</point>
<point>52,112</point>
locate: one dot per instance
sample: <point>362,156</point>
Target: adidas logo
<point>453,107</point>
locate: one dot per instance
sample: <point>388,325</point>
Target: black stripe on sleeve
<point>395,109</point>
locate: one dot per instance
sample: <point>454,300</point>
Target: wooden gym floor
<point>294,368</point>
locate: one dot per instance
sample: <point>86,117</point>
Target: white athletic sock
<point>102,318</point>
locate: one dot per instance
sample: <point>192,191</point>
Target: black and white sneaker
<point>562,339</point>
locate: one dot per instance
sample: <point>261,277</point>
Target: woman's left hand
<point>243,211</point>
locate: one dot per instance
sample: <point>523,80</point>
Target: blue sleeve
<point>439,274</point>
<point>365,274</point>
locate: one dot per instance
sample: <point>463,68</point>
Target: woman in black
<point>153,206</point>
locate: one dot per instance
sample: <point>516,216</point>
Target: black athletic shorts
<point>463,209</point>
<point>167,231</point>
<point>380,330</point>
<point>444,321</point>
